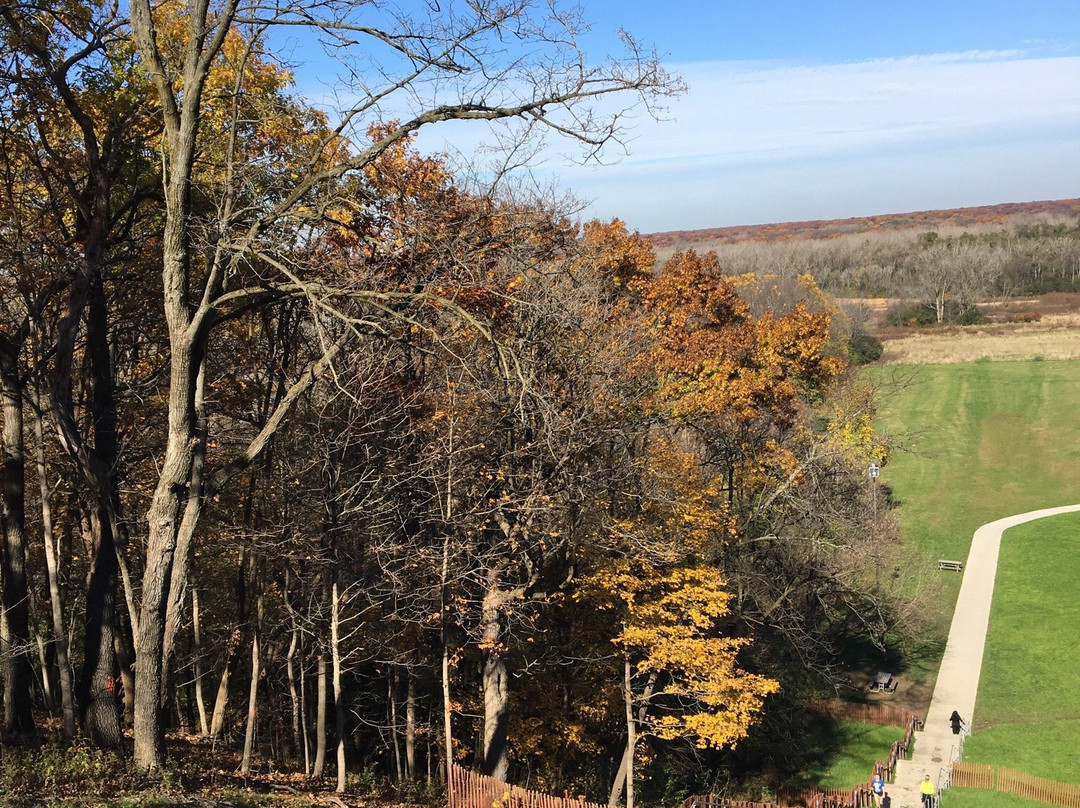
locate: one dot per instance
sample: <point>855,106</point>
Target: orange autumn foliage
<point>711,357</point>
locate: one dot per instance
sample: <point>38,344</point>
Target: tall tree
<point>18,673</point>
<point>73,78</point>
<point>464,48</point>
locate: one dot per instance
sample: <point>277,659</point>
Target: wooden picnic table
<point>882,682</point>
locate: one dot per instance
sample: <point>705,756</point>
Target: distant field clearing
<point>1054,337</point>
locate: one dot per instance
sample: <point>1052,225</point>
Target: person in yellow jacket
<point>926,789</point>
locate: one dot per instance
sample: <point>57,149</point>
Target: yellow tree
<point>681,674</point>
<point>71,88</point>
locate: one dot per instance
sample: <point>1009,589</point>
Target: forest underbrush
<point>200,774</point>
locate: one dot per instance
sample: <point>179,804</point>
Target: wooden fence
<point>888,715</point>
<point>858,797</point>
<point>713,801</point>
<point>1010,781</point>
<point>470,790</point>
<point>901,750</point>
<point>972,775</point>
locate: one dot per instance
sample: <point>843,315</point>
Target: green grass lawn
<point>854,749</point>
<point>978,798</point>
<point>1027,716</point>
<point>975,443</point>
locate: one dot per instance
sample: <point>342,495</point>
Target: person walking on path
<point>886,800</point>
<point>955,720</point>
<point>926,791</point>
<point>877,786</point>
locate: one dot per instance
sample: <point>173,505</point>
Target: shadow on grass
<point>841,754</point>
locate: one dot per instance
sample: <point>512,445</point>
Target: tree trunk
<point>625,774</point>
<point>330,607</point>
<point>319,766</point>
<point>410,726</point>
<point>496,683</point>
<point>18,668</point>
<point>294,697</point>
<point>306,736</point>
<point>339,697</point>
<point>496,718</point>
<point>444,607</point>
<point>448,737</point>
<point>101,713</point>
<point>196,627</point>
<point>99,691</point>
<point>631,734</point>
<point>149,728</point>
<point>253,693</point>
<point>39,642</point>
<point>125,660</point>
<point>5,651</point>
<point>395,733</point>
<point>60,640</point>
<point>175,506</point>
<point>235,646</point>
<point>43,660</point>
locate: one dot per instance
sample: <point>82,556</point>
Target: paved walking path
<point>958,677</point>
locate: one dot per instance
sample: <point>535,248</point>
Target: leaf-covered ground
<point>53,773</point>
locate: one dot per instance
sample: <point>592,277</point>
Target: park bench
<point>948,564</point>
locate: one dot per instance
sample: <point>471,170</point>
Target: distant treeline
<point>1003,215</point>
<point>948,270</point>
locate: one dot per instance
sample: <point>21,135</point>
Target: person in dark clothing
<point>886,800</point>
<point>955,719</point>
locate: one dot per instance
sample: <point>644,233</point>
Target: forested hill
<point>830,228</point>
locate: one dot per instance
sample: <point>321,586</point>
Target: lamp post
<point>873,470</point>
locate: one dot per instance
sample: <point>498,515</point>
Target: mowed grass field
<point>973,443</point>
<point>1027,715</point>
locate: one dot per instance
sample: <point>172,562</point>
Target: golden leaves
<point>623,258</point>
<point>672,628</point>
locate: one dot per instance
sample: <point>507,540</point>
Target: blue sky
<point>816,110</point>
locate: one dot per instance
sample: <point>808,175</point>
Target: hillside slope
<point>1001,215</point>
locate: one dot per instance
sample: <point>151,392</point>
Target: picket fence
<point>1010,781</point>
<point>888,715</point>
<point>470,790</point>
<point>972,775</point>
<point>811,798</point>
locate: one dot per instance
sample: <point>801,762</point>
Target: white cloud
<point>774,141</point>
<point>767,142</point>
<point>803,111</point>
